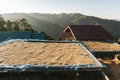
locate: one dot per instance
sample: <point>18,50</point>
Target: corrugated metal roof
<point>90,32</point>
<point>6,35</point>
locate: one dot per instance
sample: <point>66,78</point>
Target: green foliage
<point>24,26</point>
<point>15,27</point>
<point>2,22</point>
<point>8,25</point>
<point>47,37</point>
<point>18,25</point>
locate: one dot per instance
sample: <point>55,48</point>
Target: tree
<point>21,25</point>
<point>47,37</point>
<point>2,22</point>
<point>8,25</point>
<point>24,26</point>
<point>16,27</point>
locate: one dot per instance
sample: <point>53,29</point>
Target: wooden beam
<point>68,27</point>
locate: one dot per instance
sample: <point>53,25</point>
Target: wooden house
<point>85,32</point>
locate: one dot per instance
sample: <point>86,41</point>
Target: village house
<point>85,32</point>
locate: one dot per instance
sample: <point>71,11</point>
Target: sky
<point>109,9</point>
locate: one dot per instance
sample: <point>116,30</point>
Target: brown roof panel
<point>90,32</point>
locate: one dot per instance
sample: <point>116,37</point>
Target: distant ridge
<point>117,19</point>
<point>54,24</point>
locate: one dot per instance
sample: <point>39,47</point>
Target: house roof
<point>6,35</point>
<point>88,32</point>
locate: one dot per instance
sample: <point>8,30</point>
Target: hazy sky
<point>100,8</point>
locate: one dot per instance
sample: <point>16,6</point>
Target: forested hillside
<point>53,24</point>
<point>17,25</point>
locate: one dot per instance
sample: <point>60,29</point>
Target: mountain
<point>37,24</point>
<point>54,24</point>
<point>117,19</point>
